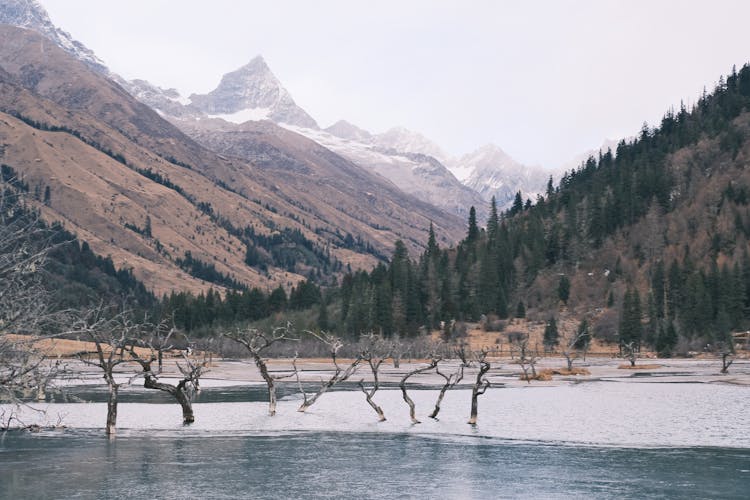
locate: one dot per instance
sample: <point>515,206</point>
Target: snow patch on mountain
<point>254,90</point>
<point>490,171</point>
<point>245,115</point>
<point>415,173</point>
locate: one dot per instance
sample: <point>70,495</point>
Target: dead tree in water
<point>111,337</point>
<point>374,352</point>
<point>526,359</point>
<point>339,375</point>
<point>189,384</point>
<point>480,385</point>
<point>630,351</point>
<point>25,298</point>
<point>450,380</point>
<point>256,341</point>
<point>727,356</point>
<point>433,363</point>
<point>574,346</point>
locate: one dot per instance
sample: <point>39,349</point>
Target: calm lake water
<point>593,440</point>
<point>83,464</point>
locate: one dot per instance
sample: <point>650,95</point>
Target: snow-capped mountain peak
<point>492,172</point>
<point>404,140</point>
<point>31,15</point>
<point>252,92</point>
<point>345,130</point>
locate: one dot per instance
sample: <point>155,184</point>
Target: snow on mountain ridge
<point>30,14</point>
<point>405,140</point>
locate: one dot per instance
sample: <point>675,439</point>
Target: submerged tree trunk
<point>480,386</point>
<point>112,408</point>
<point>368,397</point>
<point>450,381</point>
<point>726,362</point>
<point>412,410</point>
<point>374,367</point>
<point>179,392</point>
<point>256,342</point>
<point>270,382</point>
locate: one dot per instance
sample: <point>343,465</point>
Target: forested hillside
<point>648,243</point>
<point>72,275</point>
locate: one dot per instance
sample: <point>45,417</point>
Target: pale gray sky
<point>545,80</point>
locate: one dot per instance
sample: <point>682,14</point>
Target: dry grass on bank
<point>546,374</point>
<point>68,348</point>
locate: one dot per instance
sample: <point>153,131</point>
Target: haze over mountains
<point>273,197</point>
<point>281,209</point>
<point>414,163</point>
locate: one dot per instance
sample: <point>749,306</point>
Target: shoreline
<point>504,372</point>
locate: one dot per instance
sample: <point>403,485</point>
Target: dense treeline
<point>209,310</point>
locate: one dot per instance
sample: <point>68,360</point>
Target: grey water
<point>84,464</point>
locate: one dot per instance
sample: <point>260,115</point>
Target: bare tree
<point>256,342</point>
<point>374,351</point>
<point>334,344</point>
<point>727,356</point>
<point>480,385</point>
<point>630,351</point>
<point>450,380</point>
<point>25,245</point>
<point>527,359</point>
<point>397,351</point>
<point>412,412</point>
<point>191,370</point>
<point>572,349</point>
<point>112,337</point>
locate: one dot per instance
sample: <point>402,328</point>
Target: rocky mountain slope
<point>252,92</point>
<point>140,190</point>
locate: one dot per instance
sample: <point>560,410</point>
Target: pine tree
<point>147,227</point>
<point>517,206</point>
<point>473,233</point>
<point>563,289</point>
<point>520,310</point>
<point>493,224</point>
<point>667,340</point>
<point>658,289</point>
<point>551,336</point>
<point>583,336</point>
<point>433,251</point>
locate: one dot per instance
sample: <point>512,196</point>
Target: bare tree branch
<point>256,341</point>
<point>450,380</point>
<point>375,351</point>
<point>412,412</point>
<point>339,375</point>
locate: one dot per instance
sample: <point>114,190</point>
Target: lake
<point>596,440</point>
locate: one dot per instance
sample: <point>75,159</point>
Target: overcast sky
<point>544,80</point>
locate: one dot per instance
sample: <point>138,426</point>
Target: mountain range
<point>114,167</point>
<point>244,162</point>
